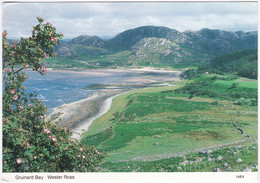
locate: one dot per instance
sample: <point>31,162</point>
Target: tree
<point>30,143</point>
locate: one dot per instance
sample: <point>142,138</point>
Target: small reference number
<point>240,176</point>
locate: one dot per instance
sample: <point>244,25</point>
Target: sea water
<point>59,87</point>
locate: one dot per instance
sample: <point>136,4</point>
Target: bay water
<point>60,87</point>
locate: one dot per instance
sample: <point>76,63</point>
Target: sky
<point>109,19</point>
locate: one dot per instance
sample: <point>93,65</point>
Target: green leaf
<point>28,153</point>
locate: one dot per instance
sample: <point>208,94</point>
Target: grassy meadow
<point>155,129</point>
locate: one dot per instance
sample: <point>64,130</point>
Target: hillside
<point>244,63</point>
<point>156,46</point>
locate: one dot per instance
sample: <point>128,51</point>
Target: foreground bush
<point>30,143</point>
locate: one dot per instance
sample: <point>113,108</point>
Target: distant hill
<point>86,40</point>
<point>156,46</point>
<point>75,49</point>
<point>221,42</point>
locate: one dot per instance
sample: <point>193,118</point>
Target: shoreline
<point>144,69</point>
<point>80,129</point>
<point>78,116</point>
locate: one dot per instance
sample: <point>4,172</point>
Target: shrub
<point>30,143</point>
<point>214,102</point>
<point>214,77</point>
<point>234,85</point>
<point>189,74</point>
<point>244,101</point>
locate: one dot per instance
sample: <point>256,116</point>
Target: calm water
<point>58,88</point>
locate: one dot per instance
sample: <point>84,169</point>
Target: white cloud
<point>74,19</point>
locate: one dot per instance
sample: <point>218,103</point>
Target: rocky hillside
<point>129,38</point>
<point>157,46</point>
<point>160,50</point>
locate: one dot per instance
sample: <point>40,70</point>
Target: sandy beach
<point>78,116</point>
<point>104,72</point>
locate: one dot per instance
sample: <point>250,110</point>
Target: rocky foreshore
<point>78,115</point>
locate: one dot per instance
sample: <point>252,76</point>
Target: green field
<point>151,127</point>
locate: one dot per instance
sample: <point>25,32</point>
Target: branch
<point>18,70</point>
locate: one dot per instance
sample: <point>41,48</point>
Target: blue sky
<point>109,19</point>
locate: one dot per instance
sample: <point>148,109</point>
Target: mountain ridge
<point>144,46</point>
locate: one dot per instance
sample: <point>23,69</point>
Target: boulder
<point>239,160</point>
<point>179,168</point>
<point>219,158</point>
<point>217,170</point>
<point>225,164</point>
<point>184,163</point>
<point>247,169</point>
<point>199,159</point>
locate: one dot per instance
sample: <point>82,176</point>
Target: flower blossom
<point>15,97</point>
<point>9,70</point>
<point>83,157</point>
<point>42,117</point>
<point>54,139</point>
<point>12,91</point>
<point>44,70</point>
<point>96,151</point>
<point>26,66</point>
<point>34,157</point>
<point>54,39</point>
<point>19,161</point>
<point>45,55</point>
<point>49,136</point>
<point>14,46</point>
<point>4,34</point>
<point>69,139</point>
<point>28,145</point>
<point>80,149</point>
